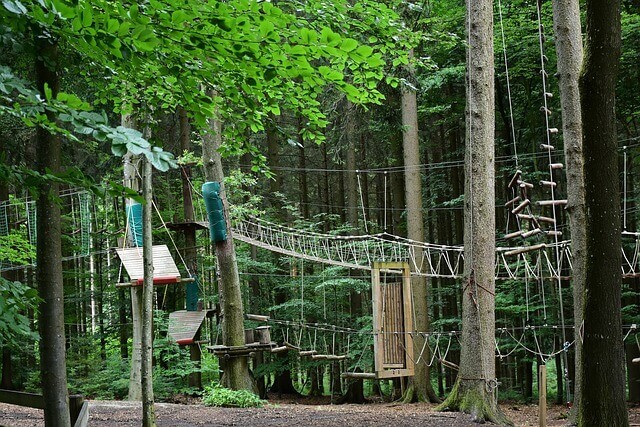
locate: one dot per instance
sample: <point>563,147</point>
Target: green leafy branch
<point>17,98</point>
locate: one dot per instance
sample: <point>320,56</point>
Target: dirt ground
<point>288,412</point>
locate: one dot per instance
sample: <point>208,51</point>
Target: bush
<point>217,395</point>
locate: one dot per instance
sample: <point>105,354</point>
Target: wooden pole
<point>542,395</point>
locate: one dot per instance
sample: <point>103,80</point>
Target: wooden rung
<point>554,233</point>
<point>521,206</point>
<point>556,166</point>
<point>636,360</point>
<point>524,184</point>
<point>512,201</point>
<point>545,111</point>
<point>548,184</point>
<point>531,233</point>
<point>548,94</point>
<point>547,147</point>
<point>449,364</point>
<point>336,357</point>
<point>546,219</point>
<point>526,216</point>
<point>525,249</point>
<point>553,130</point>
<point>308,352</point>
<point>291,346</point>
<point>551,202</point>
<point>279,349</point>
<point>319,356</point>
<point>512,235</point>
<point>515,179</point>
<point>257,317</point>
<point>359,375</point>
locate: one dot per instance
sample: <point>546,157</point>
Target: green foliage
<point>15,248</point>
<point>20,100</point>
<point>94,378</point>
<point>216,395</point>
<point>16,300</point>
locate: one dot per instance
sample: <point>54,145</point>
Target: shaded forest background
<point>294,180</point>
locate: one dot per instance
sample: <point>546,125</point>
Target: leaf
<point>87,16</point>
<point>178,17</point>
<point>14,6</point>
<point>270,73</point>
<point>66,11</point>
<point>364,50</point>
<point>348,45</point>
<point>47,92</point>
<point>119,150</point>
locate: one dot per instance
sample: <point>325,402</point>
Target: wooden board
<point>163,263</point>
<point>392,320</point>
<point>184,325</point>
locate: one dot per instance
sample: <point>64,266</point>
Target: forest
<point>224,203</point>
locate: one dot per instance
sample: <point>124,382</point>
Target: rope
<point>506,70</point>
<point>364,213</point>
<point>624,191</point>
<point>546,112</point>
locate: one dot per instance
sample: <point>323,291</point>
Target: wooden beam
<point>542,395</point>
<point>19,398</point>
<point>359,375</point>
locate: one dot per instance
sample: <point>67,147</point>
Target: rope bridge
<point>358,252</point>
<point>440,261</point>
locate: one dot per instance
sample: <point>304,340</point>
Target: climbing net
<point>18,219</point>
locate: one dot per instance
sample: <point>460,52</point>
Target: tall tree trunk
<point>190,252</point>
<point>475,391</point>
<point>568,36</point>
<point>354,393</point>
<point>302,164</point>
<point>148,412</point>
<point>602,397</point>
<point>396,179</point>
<point>236,373</point>
<point>420,388</point>
<point>131,180</point>
<point>49,252</point>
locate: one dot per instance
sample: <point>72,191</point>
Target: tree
<point>475,391</point>
<point>49,250</point>
<point>146,353</point>
<point>420,388</point>
<point>602,400</point>
<point>236,369</point>
<point>568,37</point>
<point>131,180</point>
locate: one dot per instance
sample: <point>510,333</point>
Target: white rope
<point>506,70</point>
<point>364,213</point>
<point>624,191</point>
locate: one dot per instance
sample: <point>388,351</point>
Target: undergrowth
<point>217,395</point>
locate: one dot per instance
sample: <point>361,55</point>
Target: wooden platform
<point>184,325</point>
<point>163,264</point>
<point>240,350</point>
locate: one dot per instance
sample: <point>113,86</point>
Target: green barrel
<point>215,211</point>
<point>134,214</point>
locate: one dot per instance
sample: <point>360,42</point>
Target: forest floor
<point>288,412</point>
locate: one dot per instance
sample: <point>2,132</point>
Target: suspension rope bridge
<point>437,261</point>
